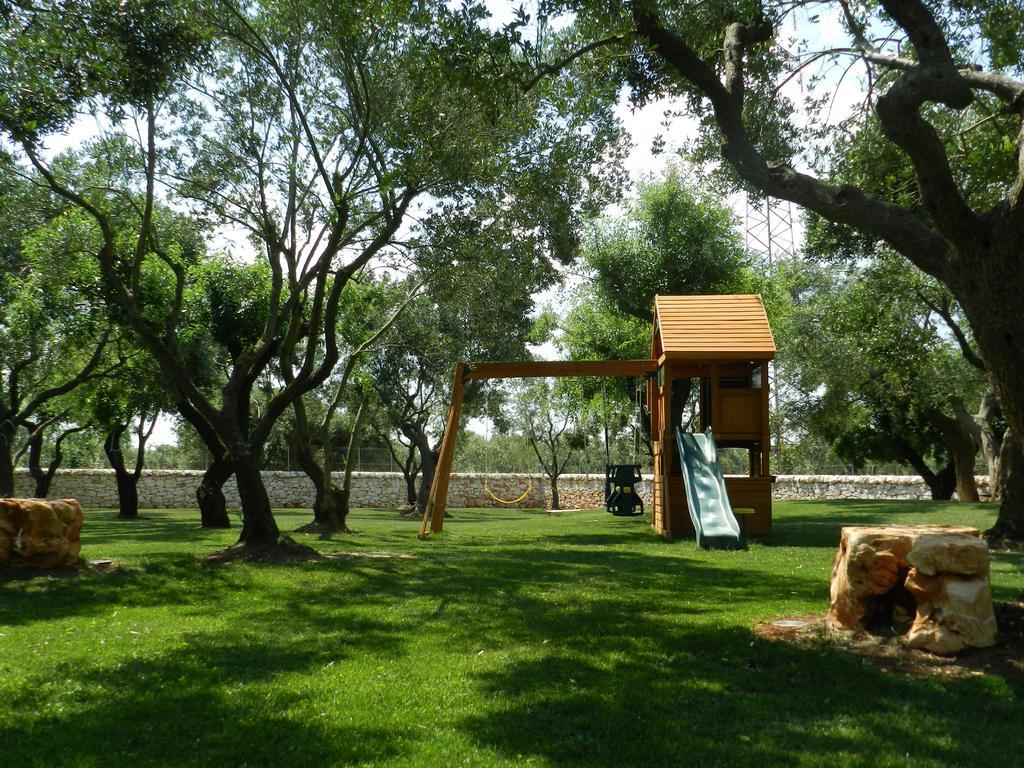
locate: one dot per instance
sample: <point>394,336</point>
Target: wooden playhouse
<point>720,346</point>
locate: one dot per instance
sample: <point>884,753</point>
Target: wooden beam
<point>559,368</point>
<point>437,502</point>
<point>702,355</point>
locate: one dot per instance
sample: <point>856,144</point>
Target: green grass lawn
<point>517,638</point>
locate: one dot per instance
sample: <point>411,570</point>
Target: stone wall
<point>883,487</point>
<point>585,491</point>
<point>175,489</point>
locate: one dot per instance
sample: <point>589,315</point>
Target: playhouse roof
<point>712,328</point>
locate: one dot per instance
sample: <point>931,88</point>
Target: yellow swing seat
<point>522,496</point>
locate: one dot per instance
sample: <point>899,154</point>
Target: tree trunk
<point>415,433</point>
<point>681,390</point>
<point>941,483</point>
<point>35,465</point>
<point>969,439</point>
<point>410,487</point>
<point>331,512</point>
<point>988,288</point>
<point>554,493</point>
<point>44,477</point>
<point>962,447</point>
<point>428,468</point>
<point>330,504</point>
<point>410,471</point>
<point>324,500</point>
<point>213,507</point>
<point>127,495</point>
<point>7,431</point>
<point>127,483</point>
<point>259,529</point>
<point>991,443</point>
<point>1011,467</point>
<point>342,505</point>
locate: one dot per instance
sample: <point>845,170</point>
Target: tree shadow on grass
<point>602,598</point>
<point>595,539</point>
<point>821,527</point>
<point>725,697</point>
<point>207,703</point>
<point>611,657</point>
<point>257,689</point>
<point>174,581</point>
<point>103,527</point>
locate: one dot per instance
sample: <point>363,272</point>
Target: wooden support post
<point>437,502</point>
<point>665,433</point>
<point>766,430</point>
<point>667,441</point>
<point>716,415</point>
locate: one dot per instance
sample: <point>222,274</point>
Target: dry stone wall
<point>586,491</point>
<point>175,489</point>
<point>882,487</point>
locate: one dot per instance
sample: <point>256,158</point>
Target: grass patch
<point>516,638</point>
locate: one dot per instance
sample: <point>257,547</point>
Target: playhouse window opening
<point>734,461</point>
<point>689,412</point>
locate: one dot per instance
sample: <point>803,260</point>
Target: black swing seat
<point>620,496</point>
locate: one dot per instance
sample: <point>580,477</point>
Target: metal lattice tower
<point>769,233</point>
<point>769,229</point>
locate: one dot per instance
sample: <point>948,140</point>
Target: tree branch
<point>350,364</point>
<point>737,38</point>
<point>161,349</point>
<point>263,49</point>
<point>944,310</point>
<point>147,213</point>
<point>143,432</point>
<point>902,229</point>
<point>558,66</point>
<point>79,378</point>
<point>310,374</point>
<point>914,17</point>
<point>899,113</point>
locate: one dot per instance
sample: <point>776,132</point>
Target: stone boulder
<point>933,578</point>
<point>39,533</point>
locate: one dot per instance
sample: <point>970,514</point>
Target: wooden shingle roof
<point>713,327</point>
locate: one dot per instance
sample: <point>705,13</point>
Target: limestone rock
<point>953,612</point>
<point>950,553</point>
<point>937,574</point>
<point>39,533</point>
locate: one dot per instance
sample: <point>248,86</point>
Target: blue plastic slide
<point>710,510</point>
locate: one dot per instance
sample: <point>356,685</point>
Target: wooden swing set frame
<point>437,502</point>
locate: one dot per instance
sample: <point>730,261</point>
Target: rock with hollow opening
<point>39,533</point>
<point>937,574</point>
